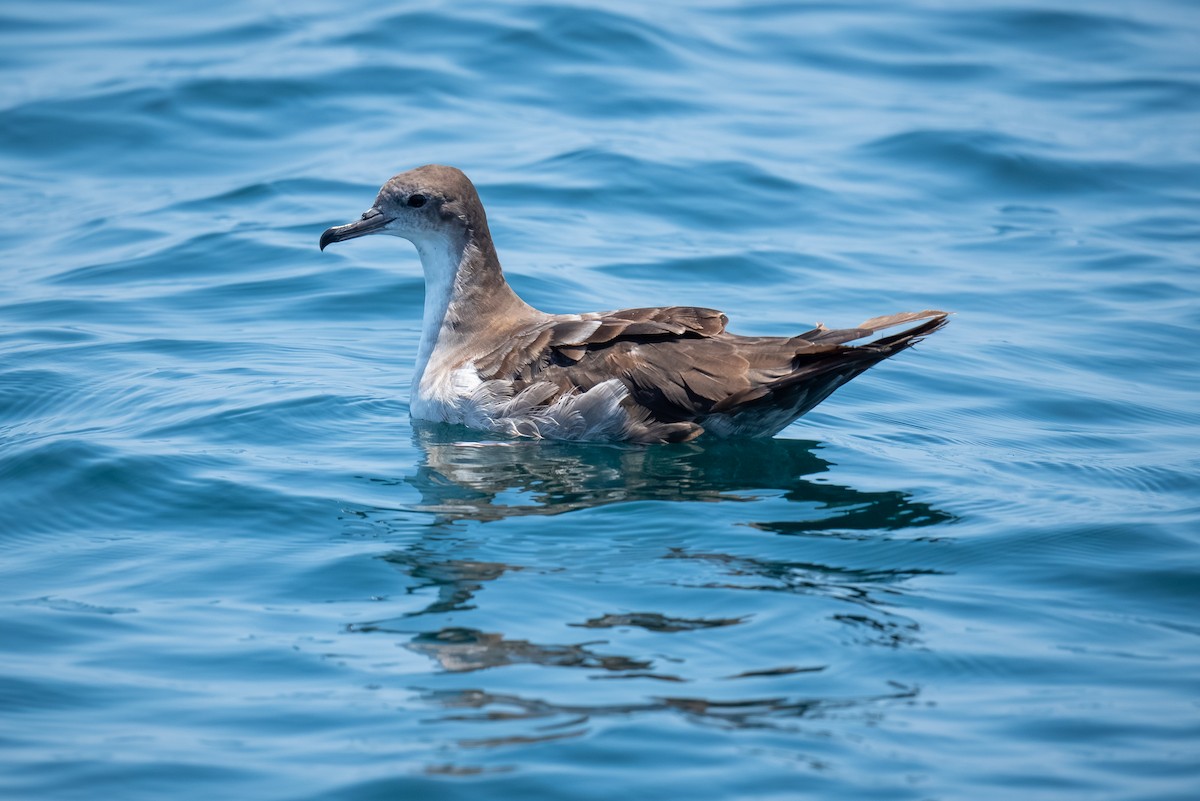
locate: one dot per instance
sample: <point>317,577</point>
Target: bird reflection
<point>483,480</point>
<point>462,479</point>
<point>571,720</point>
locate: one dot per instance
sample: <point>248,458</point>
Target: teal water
<point>233,568</point>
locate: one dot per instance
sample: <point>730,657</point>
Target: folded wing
<point>681,366</point>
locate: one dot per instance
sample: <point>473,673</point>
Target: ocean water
<point>232,567</point>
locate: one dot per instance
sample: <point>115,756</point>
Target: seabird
<point>490,361</point>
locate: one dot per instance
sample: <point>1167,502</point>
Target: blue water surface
<point>232,567</point>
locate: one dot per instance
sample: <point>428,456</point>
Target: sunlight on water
<point>233,567</point>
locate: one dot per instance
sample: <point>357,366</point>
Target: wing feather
<point>680,364</point>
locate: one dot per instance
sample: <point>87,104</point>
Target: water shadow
<point>463,477</point>
<point>465,483</point>
<point>511,715</point>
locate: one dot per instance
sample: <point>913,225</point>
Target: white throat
<point>441,258</point>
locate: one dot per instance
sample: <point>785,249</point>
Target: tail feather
<point>818,371</point>
<point>837,336</point>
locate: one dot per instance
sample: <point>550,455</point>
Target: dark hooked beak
<point>373,220</point>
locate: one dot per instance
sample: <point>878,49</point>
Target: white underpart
<point>459,396</point>
<point>596,414</point>
<point>448,389</point>
<point>433,389</point>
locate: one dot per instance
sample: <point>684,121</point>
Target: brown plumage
<point>663,374</point>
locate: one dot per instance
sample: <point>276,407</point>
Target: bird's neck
<point>465,294</point>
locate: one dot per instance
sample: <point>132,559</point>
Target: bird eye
<point>416,201</point>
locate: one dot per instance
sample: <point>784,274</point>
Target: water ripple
<point>234,568</point>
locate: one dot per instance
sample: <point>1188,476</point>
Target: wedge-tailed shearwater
<point>490,361</point>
